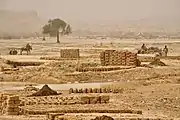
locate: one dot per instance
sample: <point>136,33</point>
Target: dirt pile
<point>3,65</point>
<point>50,72</point>
<point>158,63</point>
<point>45,91</point>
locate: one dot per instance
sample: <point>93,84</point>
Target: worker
<point>44,39</point>
<point>27,45</point>
<point>143,47</point>
<point>165,50</point>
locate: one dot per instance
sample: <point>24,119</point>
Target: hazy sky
<point>89,10</point>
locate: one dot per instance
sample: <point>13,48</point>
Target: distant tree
<point>56,27</point>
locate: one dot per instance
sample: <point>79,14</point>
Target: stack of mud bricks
<point>69,53</point>
<point>118,58</point>
<point>3,99</point>
<point>94,99</point>
<point>115,58</point>
<point>105,57</point>
<point>13,105</point>
<point>131,59</point>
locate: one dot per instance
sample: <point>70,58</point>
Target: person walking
<point>165,50</point>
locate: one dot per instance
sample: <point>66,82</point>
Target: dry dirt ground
<point>155,90</point>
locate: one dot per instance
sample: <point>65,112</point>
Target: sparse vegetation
<point>56,26</point>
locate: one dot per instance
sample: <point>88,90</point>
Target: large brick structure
<point>115,58</point>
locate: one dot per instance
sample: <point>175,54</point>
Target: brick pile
<point>105,57</point>
<point>131,59</point>
<point>147,57</point>
<point>69,53</point>
<point>13,103</point>
<point>94,99</point>
<point>118,58</point>
<point>115,58</point>
<point>3,103</point>
<point>95,90</point>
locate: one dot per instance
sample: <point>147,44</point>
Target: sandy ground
<point>155,90</point>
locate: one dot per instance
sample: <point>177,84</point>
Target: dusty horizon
<point>91,10</point>
<point>96,15</point>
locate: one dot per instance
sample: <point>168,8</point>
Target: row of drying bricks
<point>49,100</point>
<point>58,100</point>
<point>95,90</point>
<point>101,69</point>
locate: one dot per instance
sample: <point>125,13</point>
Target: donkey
<point>28,48</point>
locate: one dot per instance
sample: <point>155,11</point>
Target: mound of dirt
<point>104,117</point>
<point>158,63</point>
<point>45,91</point>
<point>3,65</point>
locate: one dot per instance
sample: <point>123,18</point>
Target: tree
<point>56,26</point>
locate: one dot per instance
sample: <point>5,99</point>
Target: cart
<point>14,51</point>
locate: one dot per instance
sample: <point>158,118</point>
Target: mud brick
<point>16,109</point>
<point>94,90</point>
<point>104,90</point>
<point>76,91</point>
<point>71,90</point>
<point>12,113</point>
<point>85,90</point>
<point>11,102</point>
<point>80,91</point>
<point>90,90</point>
<point>99,90</point>
<point>105,99</point>
<point>92,100</point>
<point>14,98</point>
<point>71,102</point>
<point>85,100</point>
<point>17,102</point>
<point>108,90</point>
<point>10,109</point>
<point>115,90</point>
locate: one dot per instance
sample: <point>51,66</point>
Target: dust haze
<point>89,60</point>
<point>28,16</point>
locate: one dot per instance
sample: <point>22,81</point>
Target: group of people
<point>165,49</point>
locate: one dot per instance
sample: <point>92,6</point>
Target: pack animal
<point>28,49</point>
